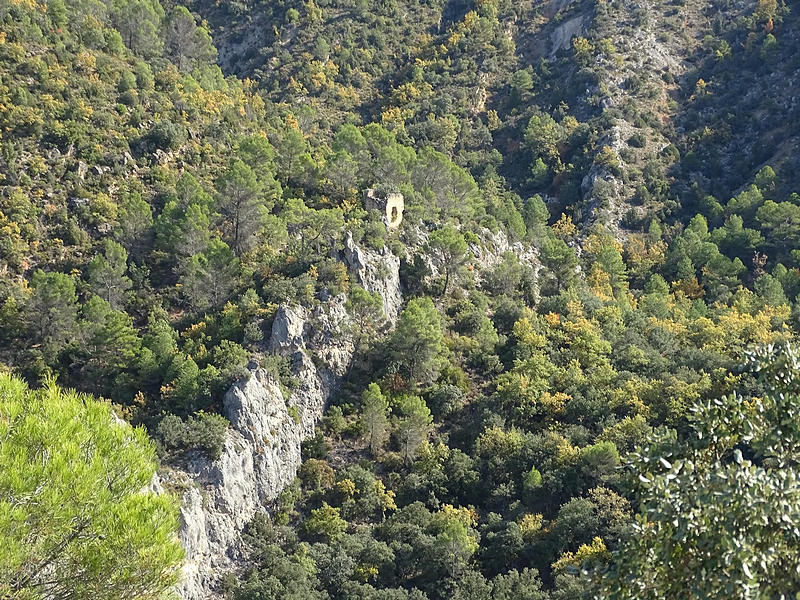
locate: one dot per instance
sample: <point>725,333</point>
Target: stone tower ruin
<point>390,205</point>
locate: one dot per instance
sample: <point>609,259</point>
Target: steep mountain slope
<point>599,218</point>
<point>627,72</point>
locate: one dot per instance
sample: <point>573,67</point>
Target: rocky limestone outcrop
<point>323,330</point>
<point>639,75</point>
<point>376,271</point>
<point>261,451</point>
<point>486,252</point>
<point>260,456</point>
<point>562,36</point>
<point>491,248</point>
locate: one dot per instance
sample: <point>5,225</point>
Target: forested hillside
<point>601,218</point>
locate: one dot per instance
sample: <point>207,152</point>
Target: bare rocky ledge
<point>261,451</point>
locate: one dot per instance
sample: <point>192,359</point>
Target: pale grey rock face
<point>260,456</point>
<point>324,332</point>
<point>562,36</point>
<point>329,336</point>
<point>194,539</point>
<point>378,272</point>
<point>156,486</point>
<point>261,451</point>
<point>492,246</point>
<point>288,329</point>
<point>490,251</point>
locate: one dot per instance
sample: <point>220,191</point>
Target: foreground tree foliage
<point>720,507</point>
<point>76,519</point>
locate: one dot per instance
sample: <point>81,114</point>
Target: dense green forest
<point>171,175</point>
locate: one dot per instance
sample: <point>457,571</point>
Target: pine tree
<point>74,521</point>
<point>52,312</point>
<point>241,204</point>
<point>374,417</point>
<point>106,274</point>
<point>412,426</point>
<point>450,248</point>
<point>417,341</point>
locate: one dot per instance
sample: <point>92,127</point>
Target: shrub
<point>325,523</point>
<point>637,140</point>
<point>165,136</point>
<point>445,400</point>
<point>202,431</point>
